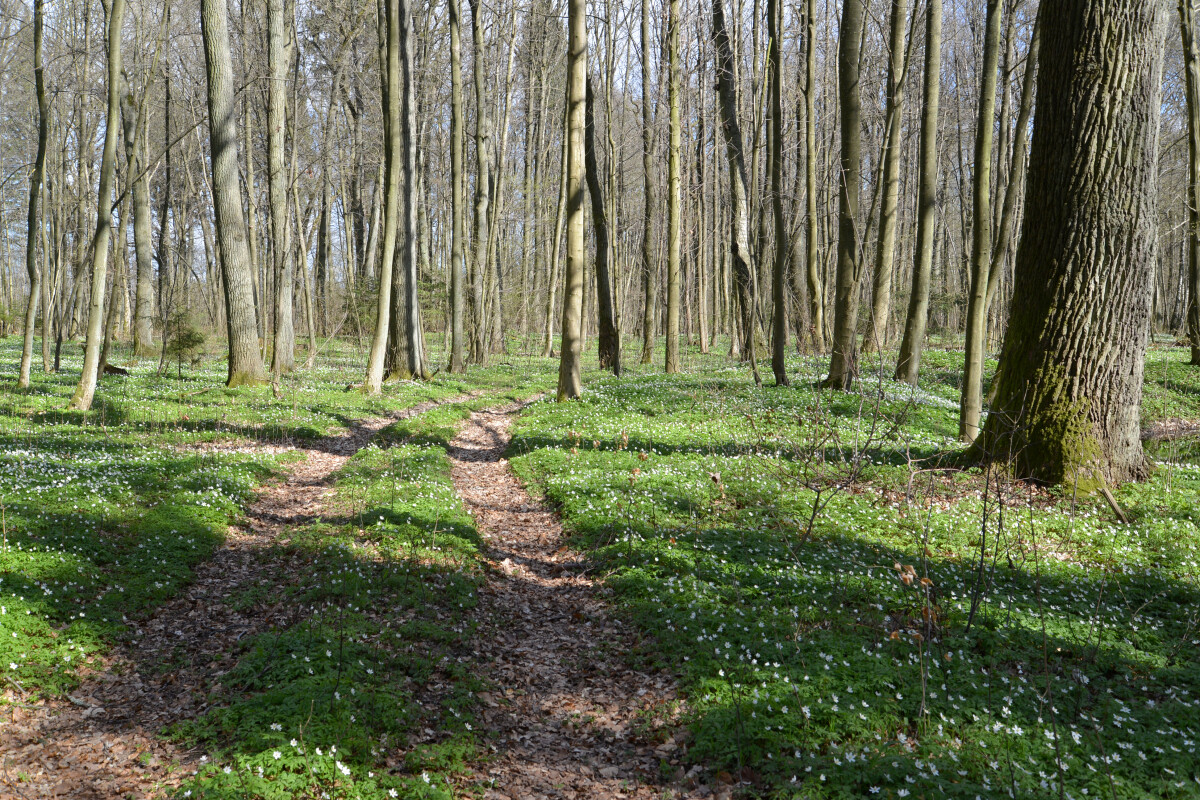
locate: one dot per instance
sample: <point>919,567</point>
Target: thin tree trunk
<point>483,186</point>
<point>816,288</point>
<point>843,366</point>
<point>82,399</point>
<point>981,233</point>
<point>35,192</point>
<point>458,274</point>
<point>918,301</point>
<point>610,338</point>
<point>570,385</point>
<point>739,225</point>
<point>649,271</point>
<point>775,110</point>
<point>1191,63</point>
<point>279,58</point>
<point>881,284</point>
<point>674,184</point>
<point>559,219</point>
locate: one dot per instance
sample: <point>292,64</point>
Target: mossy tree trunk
<point>779,321</point>
<point>649,271</point>
<point>1069,386</point>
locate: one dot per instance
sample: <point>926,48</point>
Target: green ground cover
<point>920,638</point>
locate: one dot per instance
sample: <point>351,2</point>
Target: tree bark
<point>245,359</point>
<point>570,385</point>
<point>84,392</point>
<point>1191,71</point>
<point>407,356</point>
<point>909,363</point>
<point>483,186</point>
<point>458,267</point>
<point>779,322</point>
<point>279,57</point>
<point>816,287</point>
<point>35,191</point>
<point>741,258</point>
<point>609,340</point>
<point>971,406</point>
<point>1070,380</point>
<point>881,284</point>
<point>843,366</point>
<point>649,271</point>
<point>674,209</point>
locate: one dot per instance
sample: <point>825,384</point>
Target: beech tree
<point>1069,384</point>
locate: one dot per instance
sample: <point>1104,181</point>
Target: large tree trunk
<point>570,385</point>
<point>1070,379</point>
<point>245,359</point>
<point>560,214</point>
<point>609,340</point>
<point>881,284</point>
<point>82,399</point>
<point>971,406</point>
<point>779,299</point>
<point>918,301</point>
<point>407,356</point>
<point>1191,71</point>
<point>458,275</point>
<point>741,259</point>
<point>649,271</point>
<point>279,56</point>
<point>35,192</point>
<point>674,183</point>
<point>843,366</point>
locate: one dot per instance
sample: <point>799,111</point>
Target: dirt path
<point>569,719</point>
<point>103,741</point>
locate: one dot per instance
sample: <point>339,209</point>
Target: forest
<point>599,399</point>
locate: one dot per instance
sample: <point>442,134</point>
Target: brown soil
<point>103,741</point>
<point>569,718</point>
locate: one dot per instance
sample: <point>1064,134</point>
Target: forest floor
<point>679,586</point>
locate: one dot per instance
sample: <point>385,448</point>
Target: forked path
<point>569,717</point>
<point>103,741</point>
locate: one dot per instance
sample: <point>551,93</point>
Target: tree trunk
<point>981,233</point>
<point>609,340</point>
<point>779,321</point>
<point>245,359</point>
<point>918,301</point>
<point>816,288</point>
<point>674,210</point>
<point>739,225</point>
<point>35,192</point>
<point>1191,71</point>
<point>570,384</point>
<point>458,275</point>
<point>82,399</point>
<point>279,57</point>
<point>407,356</point>
<point>559,218</point>
<point>881,284</point>
<point>649,272</point>
<point>843,366</point>
<point>483,186</point>
<point>1070,379</point>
